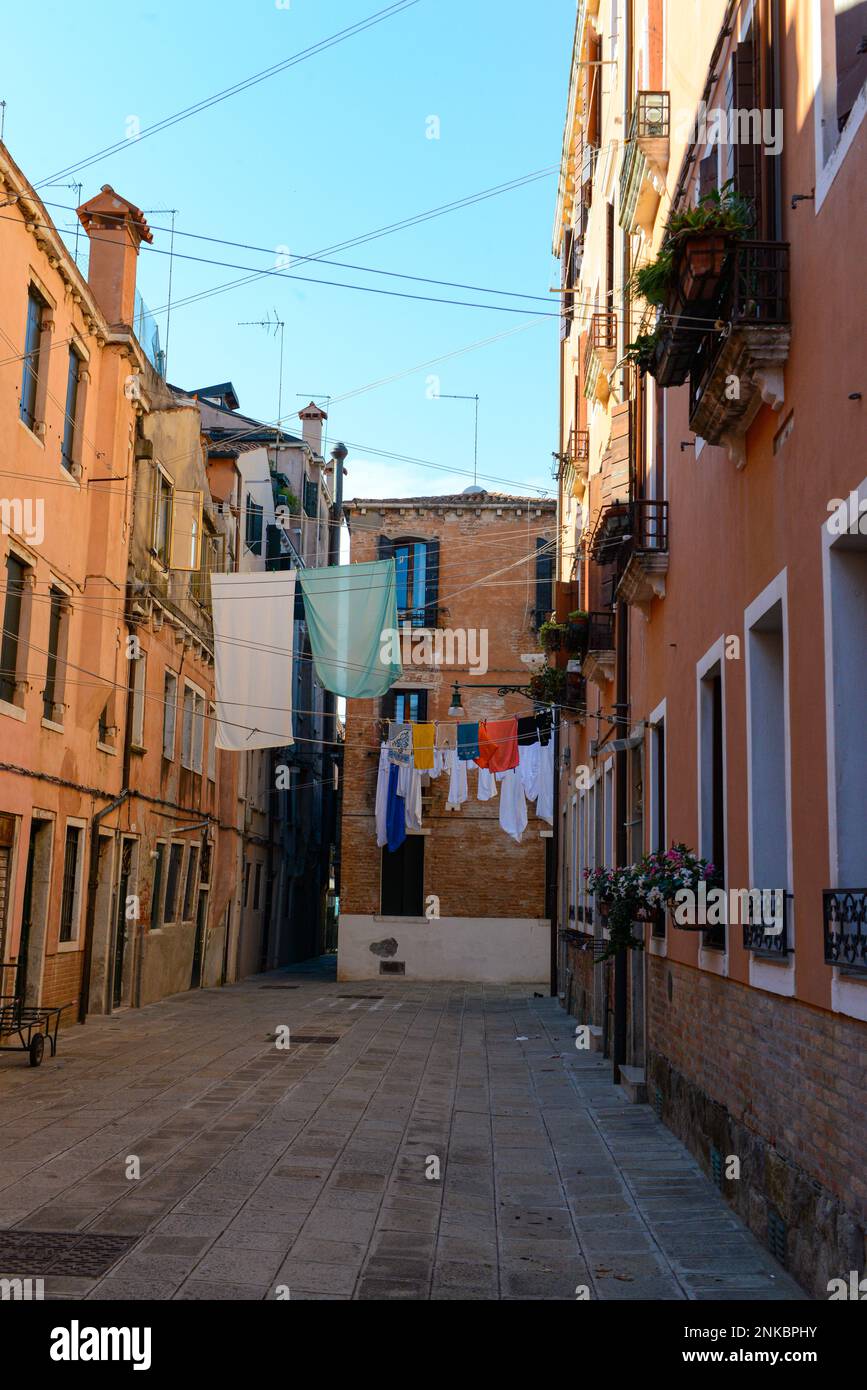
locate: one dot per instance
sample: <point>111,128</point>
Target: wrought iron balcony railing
<point>579,446</point>
<point>765,921</point>
<point>753,305</point>
<point>844,912</point>
<point>600,635</point>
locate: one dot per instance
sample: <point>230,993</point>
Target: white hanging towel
<point>513,804</point>
<point>528,767</point>
<point>487,785</point>
<point>545,800</point>
<point>458,790</point>
<point>382,796</point>
<point>253,629</point>
<point>409,787</point>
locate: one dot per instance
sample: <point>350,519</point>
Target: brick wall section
<point>61,982</point>
<point>474,868</point>
<point>801,1132</point>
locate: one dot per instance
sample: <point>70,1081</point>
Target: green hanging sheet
<point>351,613</point>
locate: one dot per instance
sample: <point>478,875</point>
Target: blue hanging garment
<point>468,741</point>
<point>395,815</point>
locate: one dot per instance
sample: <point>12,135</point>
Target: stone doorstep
<point>633,1083</point>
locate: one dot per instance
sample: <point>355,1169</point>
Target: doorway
<point>34,915</point>
<point>124,875</point>
<point>199,942</point>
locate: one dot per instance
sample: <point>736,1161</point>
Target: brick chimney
<point>311,426</point>
<point>116,229</point>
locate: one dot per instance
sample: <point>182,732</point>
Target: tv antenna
<point>275,325</point>
<point>444,396</point>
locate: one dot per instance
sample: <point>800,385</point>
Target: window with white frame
<point>139,691</point>
<point>767,724</point>
<point>192,728</point>
<point>846,681</point>
<point>170,713</point>
<point>711,781</point>
<point>70,893</point>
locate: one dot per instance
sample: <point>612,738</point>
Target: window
<point>139,683</point>
<point>170,713</point>
<point>16,573</point>
<point>193,729</point>
<point>32,343</point>
<point>190,889</point>
<point>845,579</point>
<point>311,498</point>
<point>159,869</point>
<point>52,695</point>
<point>212,743</point>
<point>402,893</point>
<point>246,883</point>
<point>70,422</point>
<point>253,525</point>
<point>658,808</point>
<point>176,857</point>
<point>70,899</point>
<point>103,727</point>
<point>257,887</point>
<point>712,785</point>
<point>417,564</point>
<point>767,726</point>
<point>163,499</point>
<point>405,706</point>
<point>544,580</point>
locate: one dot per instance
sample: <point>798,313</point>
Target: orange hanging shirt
<point>498,745</point>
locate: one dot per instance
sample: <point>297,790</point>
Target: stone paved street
<point>306,1168</point>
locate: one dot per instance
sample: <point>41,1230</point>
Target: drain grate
<point>59,1252</point>
<point>778,1237</point>
<point>716,1167</point>
<point>392,967</point>
<point>361,996</point>
<point>279,986</point>
<point>328,1038</point>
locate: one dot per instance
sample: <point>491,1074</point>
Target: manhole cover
<point>59,1252</point>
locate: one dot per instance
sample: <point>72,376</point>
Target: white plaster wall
<point>489,950</point>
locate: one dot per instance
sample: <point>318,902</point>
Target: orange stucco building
<point>703,527</point>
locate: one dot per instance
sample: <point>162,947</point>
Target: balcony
<point>614,526</point>
<point>643,579</point>
<point>738,368</point>
<point>844,912</point>
<point>601,355</point>
<point>759,926</point>
<point>645,162</point>
<point>598,664</point>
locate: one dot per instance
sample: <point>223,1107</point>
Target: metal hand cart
<point>26,1027</point>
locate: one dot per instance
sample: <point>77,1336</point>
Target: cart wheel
<point>37,1048</point>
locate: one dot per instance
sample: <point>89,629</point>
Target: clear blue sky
<point>330,149</point>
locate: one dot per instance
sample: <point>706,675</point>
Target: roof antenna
<point>444,396</point>
<point>278,326</point>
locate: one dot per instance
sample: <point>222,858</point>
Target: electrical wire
<point>320,47</point>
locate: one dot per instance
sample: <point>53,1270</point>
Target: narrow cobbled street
<point>310,1172</point>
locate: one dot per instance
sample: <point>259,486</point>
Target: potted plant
<point>577,630</point>
<point>618,895</point>
<point>548,686</point>
<point>665,873</point>
<point>551,634</point>
<point>642,351</point>
<point>702,238</point>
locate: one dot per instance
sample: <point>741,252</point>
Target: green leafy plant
<point>551,634</point>
<point>723,210</point>
<point>642,351</point>
<point>579,615</point>
<point>653,280</point>
<point>548,686</point>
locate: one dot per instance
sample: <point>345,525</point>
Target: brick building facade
<point>488,890</point>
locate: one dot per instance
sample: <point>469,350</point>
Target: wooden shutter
<point>185,548</point>
<point>593,105</point>
<point>708,177</point>
<point>431,583</point>
<point>747,157</point>
<point>385,548</point>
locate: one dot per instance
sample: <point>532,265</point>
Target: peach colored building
<point>712,521</point>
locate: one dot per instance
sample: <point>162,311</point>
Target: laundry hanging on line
<point>351,614</point>
<point>252,617</point>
